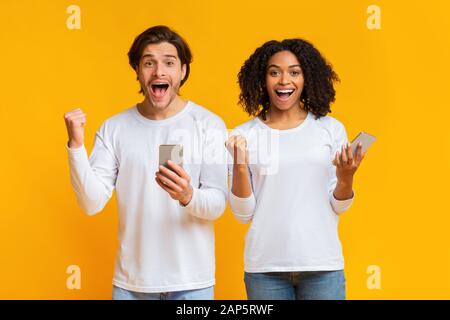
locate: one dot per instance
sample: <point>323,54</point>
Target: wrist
<point>240,168</point>
<point>345,183</point>
<point>343,190</point>
<point>73,144</point>
<point>186,200</point>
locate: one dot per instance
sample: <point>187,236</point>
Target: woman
<point>292,174</point>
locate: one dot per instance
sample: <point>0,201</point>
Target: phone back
<point>366,140</point>
<point>172,152</point>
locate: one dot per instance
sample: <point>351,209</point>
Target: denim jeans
<point>308,285</point>
<point>198,294</point>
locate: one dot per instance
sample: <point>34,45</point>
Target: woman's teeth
<point>285,93</point>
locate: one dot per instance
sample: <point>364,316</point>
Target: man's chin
<point>160,104</point>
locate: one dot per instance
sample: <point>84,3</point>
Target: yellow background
<point>395,85</point>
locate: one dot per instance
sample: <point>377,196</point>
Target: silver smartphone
<point>366,140</point>
<point>173,152</point>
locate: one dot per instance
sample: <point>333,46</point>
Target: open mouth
<point>284,93</point>
<point>159,89</point>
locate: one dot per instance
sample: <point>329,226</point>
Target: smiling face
<point>160,73</point>
<point>284,80</point>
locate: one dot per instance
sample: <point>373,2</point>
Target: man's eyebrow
<point>152,55</point>
<point>275,66</point>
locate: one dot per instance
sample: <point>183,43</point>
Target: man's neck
<point>149,111</point>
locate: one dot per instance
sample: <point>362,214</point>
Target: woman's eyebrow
<point>275,66</point>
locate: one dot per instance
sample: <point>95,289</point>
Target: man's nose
<point>160,70</point>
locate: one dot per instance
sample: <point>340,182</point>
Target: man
<point>166,232</point>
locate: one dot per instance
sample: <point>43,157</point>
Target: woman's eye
<point>273,73</point>
<point>295,73</point>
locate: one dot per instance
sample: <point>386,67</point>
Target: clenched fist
<point>237,147</point>
<point>75,123</point>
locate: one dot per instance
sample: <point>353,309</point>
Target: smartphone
<point>173,152</point>
<point>366,140</point>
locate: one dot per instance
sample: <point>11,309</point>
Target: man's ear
<point>183,71</point>
<point>137,72</point>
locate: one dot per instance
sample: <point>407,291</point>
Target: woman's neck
<point>285,119</point>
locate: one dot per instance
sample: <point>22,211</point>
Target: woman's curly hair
<point>318,91</point>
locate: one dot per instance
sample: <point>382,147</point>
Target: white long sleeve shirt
<point>292,209</point>
<point>163,246</point>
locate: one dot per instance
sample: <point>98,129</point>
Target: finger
<point>73,110</point>
<point>166,188</point>
<point>229,141</point>
<point>241,140</point>
<point>178,169</point>
<point>230,144</point>
<point>165,185</point>
<point>343,155</point>
<point>362,157</point>
<point>77,120</point>
<point>242,144</point>
<point>359,152</point>
<point>168,183</point>
<point>170,175</point>
<point>338,159</point>
<point>72,113</point>
<point>235,148</point>
<point>349,154</point>
<point>76,117</point>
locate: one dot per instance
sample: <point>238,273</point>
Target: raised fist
<point>75,123</point>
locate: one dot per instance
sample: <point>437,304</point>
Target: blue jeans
<point>198,294</point>
<point>308,285</point>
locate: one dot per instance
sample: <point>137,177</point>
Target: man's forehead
<point>163,49</point>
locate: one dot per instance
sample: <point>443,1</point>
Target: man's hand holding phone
<point>172,177</point>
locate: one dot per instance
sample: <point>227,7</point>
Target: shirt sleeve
<point>93,179</point>
<point>242,208</point>
<point>339,139</point>
<point>209,197</point>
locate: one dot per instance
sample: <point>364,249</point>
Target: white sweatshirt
<point>293,213</point>
<point>162,246</point>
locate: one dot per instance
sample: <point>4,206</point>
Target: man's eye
<point>148,63</point>
<point>170,63</point>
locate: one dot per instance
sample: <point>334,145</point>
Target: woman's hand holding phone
<point>347,163</point>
